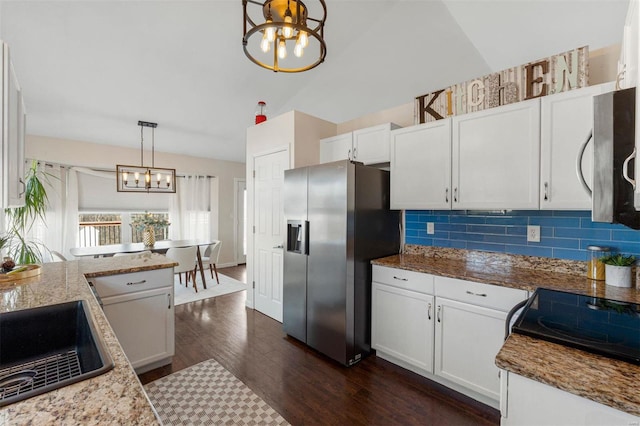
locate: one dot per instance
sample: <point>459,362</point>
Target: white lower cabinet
<point>399,313</point>
<point>446,329</point>
<point>552,406</point>
<point>139,307</point>
<point>468,338</point>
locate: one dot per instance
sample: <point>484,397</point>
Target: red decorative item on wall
<point>261,112</point>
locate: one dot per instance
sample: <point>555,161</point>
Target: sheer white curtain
<point>189,209</point>
<point>59,230</point>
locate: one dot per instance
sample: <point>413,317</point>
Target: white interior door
<point>241,220</point>
<point>269,232</point>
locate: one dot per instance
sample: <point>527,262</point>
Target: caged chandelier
<point>274,25</point>
<point>144,178</point>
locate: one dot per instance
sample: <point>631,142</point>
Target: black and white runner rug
<point>208,394</point>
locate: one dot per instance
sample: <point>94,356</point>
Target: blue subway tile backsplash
<point>563,234</point>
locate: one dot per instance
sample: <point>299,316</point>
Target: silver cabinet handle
<point>455,194</point>
<point>579,164</point>
<point>24,188</point>
<point>138,282</point>
<point>400,279</point>
<point>546,191</point>
<point>169,300</point>
<point>625,169</point>
<point>477,294</point>
<point>355,153</point>
<point>280,246</point>
<point>349,154</point>
<point>439,309</point>
<point>446,195</point>
<point>429,311</point>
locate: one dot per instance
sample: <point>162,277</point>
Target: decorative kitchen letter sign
<point>559,73</point>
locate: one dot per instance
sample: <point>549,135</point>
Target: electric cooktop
<point>602,326</point>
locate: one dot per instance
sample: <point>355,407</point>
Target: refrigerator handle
<point>304,244</point>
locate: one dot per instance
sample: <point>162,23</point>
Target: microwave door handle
<point>579,164</point>
<point>625,168</point>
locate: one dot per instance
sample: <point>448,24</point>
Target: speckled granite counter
<point>607,381</point>
<point>116,397</point>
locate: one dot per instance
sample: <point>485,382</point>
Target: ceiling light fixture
<point>143,178</point>
<point>283,22</point>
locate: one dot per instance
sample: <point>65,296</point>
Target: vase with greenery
<point>20,220</point>
<point>149,224</point>
<point>618,268</point>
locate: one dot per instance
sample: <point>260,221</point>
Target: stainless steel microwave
<point>614,159</point>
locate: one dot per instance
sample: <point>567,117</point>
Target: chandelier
<point>279,25</point>
<point>144,178</point>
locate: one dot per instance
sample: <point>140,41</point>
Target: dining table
<point>159,247</point>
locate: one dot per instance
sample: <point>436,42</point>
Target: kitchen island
<point>597,378</point>
<point>116,397</point>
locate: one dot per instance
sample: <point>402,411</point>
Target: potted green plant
<point>618,269</point>
<point>20,220</point>
<point>148,223</point>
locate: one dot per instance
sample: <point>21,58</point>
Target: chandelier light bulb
<point>282,49</point>
<point>298,50</point>
<point>303,37</point>
<point>265,45</point>
<point>270,31</point>
<point>287,29</point>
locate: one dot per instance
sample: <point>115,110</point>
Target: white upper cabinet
<point>421,166</point>
<point>371,145</point>
<point>336,148</point>
<point>496,157</point>
<point>13,135</point>
<point>566,122</point>
<point>368,146</point>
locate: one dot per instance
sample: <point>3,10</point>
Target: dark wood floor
<point>303,385</point>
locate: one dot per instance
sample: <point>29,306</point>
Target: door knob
<point>280,246</point>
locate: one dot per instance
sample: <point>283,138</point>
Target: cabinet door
<point>13,138</point>
<point>496,156</point>
<point>566,119</point>
<point>371,145</point>
<point>421,166</point>
<point>143,323</point>
<point>402,325</point>
<point>468,339</point>
<point>336,148</point>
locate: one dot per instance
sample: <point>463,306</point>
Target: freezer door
<point>327,261</point>
<point>294,311</point>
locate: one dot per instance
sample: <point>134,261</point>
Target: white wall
<point>77,153</point>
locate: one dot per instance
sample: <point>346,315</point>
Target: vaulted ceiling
<point>91,69</point>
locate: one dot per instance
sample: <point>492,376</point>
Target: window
<point>97,229</point>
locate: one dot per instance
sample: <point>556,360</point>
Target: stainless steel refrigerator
<point>338,219</point>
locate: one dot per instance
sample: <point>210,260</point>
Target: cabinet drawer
<point>479,294</point>
<point>112,285</point>
<point>409,280</point>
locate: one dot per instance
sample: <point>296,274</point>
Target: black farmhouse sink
<point>46,348</point>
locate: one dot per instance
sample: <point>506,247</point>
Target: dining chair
<point>210,257</point>
<point>185,256</point>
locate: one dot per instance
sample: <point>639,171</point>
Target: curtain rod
<point>98,169</point>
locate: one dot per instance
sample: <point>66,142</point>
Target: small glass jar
<point>595,267</point>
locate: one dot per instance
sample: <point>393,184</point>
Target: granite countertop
<point>604,380</point>
<point>116,397</point>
